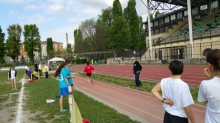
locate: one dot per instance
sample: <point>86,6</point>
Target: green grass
<point>4,75</point>
<point>93,110</point>
<point>146,86</point>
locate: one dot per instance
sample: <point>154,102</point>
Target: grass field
<point>146,86</point>
<point>93,110</point>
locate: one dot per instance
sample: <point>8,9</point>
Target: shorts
<point>168,118</point>
<point>89,74</point>
<point>71,84</point>
<point>64,91</point>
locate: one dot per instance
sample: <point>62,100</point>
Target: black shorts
<point>168,118</point>
<point>71,84</point>
<point>89,74</point>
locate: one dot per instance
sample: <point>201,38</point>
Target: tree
<point>58,52</point>
<point>141,35</point>
<point>101,37</point>
<point>131,16</point>
<point>2,46</point>
<point>88,35</point>
<point>31,40</point>
<point>106,18</point>
<point>69,48</point>
<point>50,50</point>
<point>78,41</point>
<point>157,13</point>
<point>151,17</point>
<point>120,34</point>
<point>13,41</point>
<point>117,9</point>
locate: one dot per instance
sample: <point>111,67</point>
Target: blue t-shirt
<point>61,78</point>
<point>68,74</point>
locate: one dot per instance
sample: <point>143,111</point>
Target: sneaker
<point>15,88</point>
<point>63,110</point>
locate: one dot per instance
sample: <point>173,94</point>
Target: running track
<point>141,106</point>
<point>193,75</point>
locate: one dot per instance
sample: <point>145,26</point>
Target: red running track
<point>141,106</point>
<point>193,75</point>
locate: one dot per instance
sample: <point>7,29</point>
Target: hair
<point>67,61</point>
<point>176,67</point>
<point>213,57</point>
<point>62,65</point>
<point>87,62</point>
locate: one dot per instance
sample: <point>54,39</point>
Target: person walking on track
<point>136,70</point>
<point>88,70</point>
<point>209,90</point>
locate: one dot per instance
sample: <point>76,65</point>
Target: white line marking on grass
<point>20,103</point>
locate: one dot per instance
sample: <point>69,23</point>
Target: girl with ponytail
<point>209,90</point>
<point>63,83</point>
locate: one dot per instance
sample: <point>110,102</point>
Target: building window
<point>179,15</point>
<point>173,17</point>
<point>167,19</point>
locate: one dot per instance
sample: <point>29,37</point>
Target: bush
<point>7,65</point>
<point>77,60</point>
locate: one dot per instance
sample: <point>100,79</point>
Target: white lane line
<point>122,103</point>
<point>20,102</point>
<point>113,86</point>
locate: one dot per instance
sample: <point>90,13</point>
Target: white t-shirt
<point>177,91</point>
<point>39,67</point>
<point>13,74</point>
<point>26,67</point>
<point>209,90</point>
<point>46,68</point>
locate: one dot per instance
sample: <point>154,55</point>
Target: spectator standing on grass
<point>40,69</point>
<point>12,75</point>
<point>35,67</point>
<point>136,70</point>
<point>26,69</point>
<point>176,96</point>
<point>63,83</point>
<point>88,70</point>
<point>209,90</point>
<point>69,76</point>
<point>46,70</point>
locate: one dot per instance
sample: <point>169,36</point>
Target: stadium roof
<point>194,3</point>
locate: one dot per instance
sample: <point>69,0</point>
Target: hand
<point>207,73</point>
<point>169,102</point>
<point>73,76</point>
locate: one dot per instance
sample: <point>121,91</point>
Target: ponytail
<point>59,69</point>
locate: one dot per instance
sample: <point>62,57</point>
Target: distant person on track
<point>69,76</point>
<point>209,90</point>
<point>88,70</point>
<point>136,70</point>
<point>63,83</point>
<point>12,75</point>
<point>176,96</point>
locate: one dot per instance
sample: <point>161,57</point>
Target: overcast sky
<point>55,18</point>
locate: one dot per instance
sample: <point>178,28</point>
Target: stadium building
<point>185,33</point>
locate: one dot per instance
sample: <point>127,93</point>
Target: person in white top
<point>209,90</point>
<point>12,75</point>
<point>40,69</point>
<point>46,70</point>
<point>176,96</point>
<point>26,69</point>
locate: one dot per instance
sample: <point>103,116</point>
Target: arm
<point>66,81</point>
<point>189,114</point>
<point>155,91</point>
